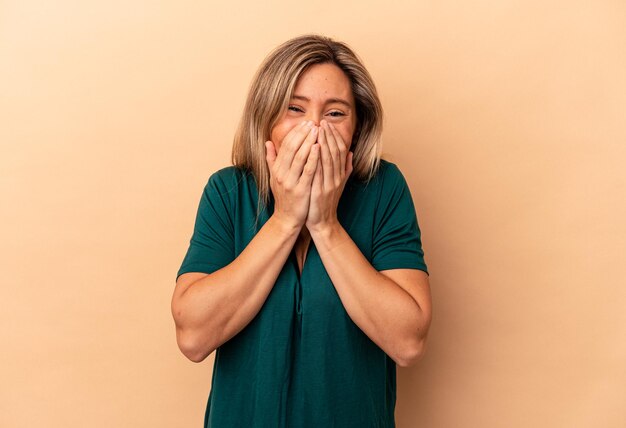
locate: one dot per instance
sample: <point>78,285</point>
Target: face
<point>323,91</point>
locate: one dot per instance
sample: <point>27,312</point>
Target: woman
<point>305,269</point>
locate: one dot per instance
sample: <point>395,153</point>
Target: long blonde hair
<point>271,90</point>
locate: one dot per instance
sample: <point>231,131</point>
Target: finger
<point>318,180</point>
<point>343,148</point>
<point>300,158</point>
<point>349,165</point>
<point>270,154</point>
<point>334,151</point>
<point>310,167</point>
<point>280,155</point>
<point>326,160</point>
<point>292,143</point>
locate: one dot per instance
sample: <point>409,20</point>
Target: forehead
<point>324,81</point>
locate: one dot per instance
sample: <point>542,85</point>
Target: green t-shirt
<point>302,362</point>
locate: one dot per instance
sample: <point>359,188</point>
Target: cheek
<point>279,132</point>
<point>346,134</point>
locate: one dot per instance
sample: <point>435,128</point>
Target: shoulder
<point>392,188</point>
<point>389,170</point>
<point>224,188</point>
<point>388,175</point>
<point>385,179</point>
<point>227,179</point>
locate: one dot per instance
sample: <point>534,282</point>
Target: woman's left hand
<point>333,169</point>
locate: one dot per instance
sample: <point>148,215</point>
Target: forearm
<point>215,308</point>
<point>382,309</point>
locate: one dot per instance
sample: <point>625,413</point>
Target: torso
<point>302,343</point>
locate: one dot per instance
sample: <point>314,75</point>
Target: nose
<point>315,117</point>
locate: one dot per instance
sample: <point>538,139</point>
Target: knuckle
<point>286,184</point>
<point>301,156</point>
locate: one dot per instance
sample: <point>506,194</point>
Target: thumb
<point>349,164</point>
<point>270,153</point>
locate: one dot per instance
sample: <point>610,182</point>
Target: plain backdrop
<point>506,117</point>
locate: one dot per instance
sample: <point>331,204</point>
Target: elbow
<point>191,347</point>
<point>191,342</point>
<point>415,347</point>
<point>195,356</point>
<point>412,354</point>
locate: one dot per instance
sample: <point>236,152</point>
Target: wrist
<point>284,224</point>
<point>325,231</point>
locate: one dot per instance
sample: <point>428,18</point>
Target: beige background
<point>506,117</point>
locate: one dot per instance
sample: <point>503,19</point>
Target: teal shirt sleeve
<point>212,243</point>
<point>397,240</point>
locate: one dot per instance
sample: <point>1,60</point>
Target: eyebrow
<point>328,101</point>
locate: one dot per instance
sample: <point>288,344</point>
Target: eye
<point>294,108</point>
<point>336,114</point>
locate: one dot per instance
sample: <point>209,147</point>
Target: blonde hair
<point>271,90</point>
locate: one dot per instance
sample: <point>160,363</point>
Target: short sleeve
<point>212,243</point>
<point>397,240</point>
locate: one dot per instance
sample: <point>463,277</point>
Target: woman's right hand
<point>291,172</point>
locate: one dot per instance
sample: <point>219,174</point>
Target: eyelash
<point>299,110</point>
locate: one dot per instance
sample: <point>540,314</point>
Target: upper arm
<point>396,241</point>
<point>397,244</point>
<point>185,280</point>
<point>212,244</point>
<point>415,282</point>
